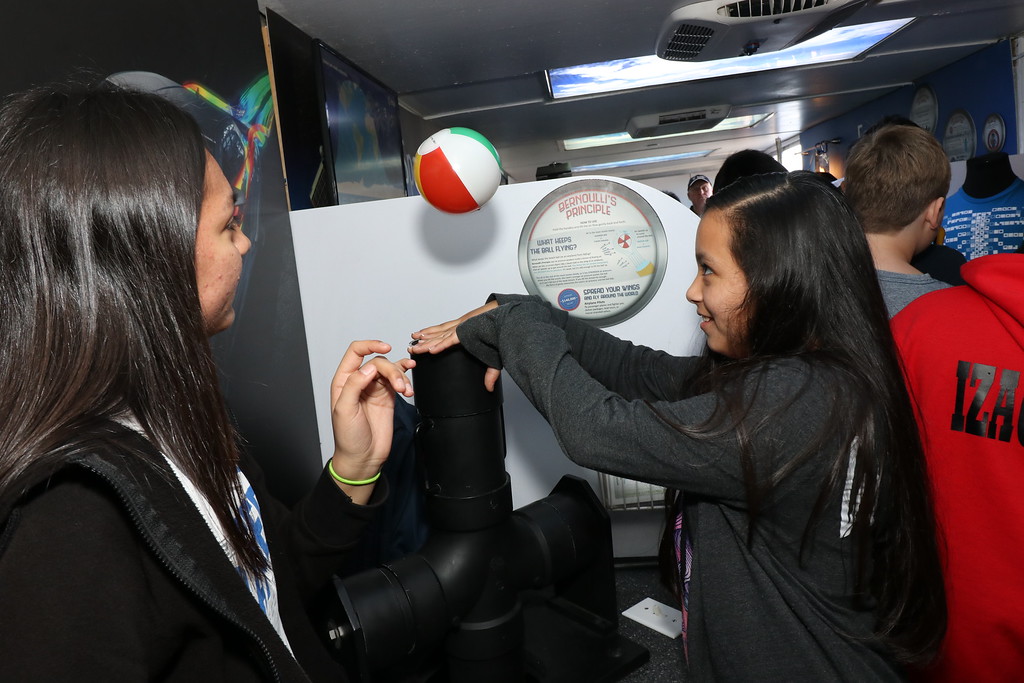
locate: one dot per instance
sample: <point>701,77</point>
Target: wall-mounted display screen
<point>362,147</point>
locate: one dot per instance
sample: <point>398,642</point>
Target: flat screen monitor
<point>362,138</point>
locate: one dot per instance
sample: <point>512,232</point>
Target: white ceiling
<point>481,65</point>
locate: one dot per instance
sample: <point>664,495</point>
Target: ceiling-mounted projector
<point>703,30</point>
<point>670,123</point>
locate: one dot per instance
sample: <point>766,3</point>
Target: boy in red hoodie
<point>963,350</point>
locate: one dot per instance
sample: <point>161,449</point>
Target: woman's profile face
<point>720,288</point>
<point>220,246</point>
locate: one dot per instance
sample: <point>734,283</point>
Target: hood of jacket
<point>999,280</point>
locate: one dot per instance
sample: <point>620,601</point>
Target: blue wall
<point>981,84</point>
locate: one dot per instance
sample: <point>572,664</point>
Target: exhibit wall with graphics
<point>969,106</point>
<point>614,251</point>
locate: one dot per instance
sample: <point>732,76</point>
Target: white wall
<point>386,268</point>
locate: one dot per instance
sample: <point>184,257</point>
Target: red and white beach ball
<point>457,170</point>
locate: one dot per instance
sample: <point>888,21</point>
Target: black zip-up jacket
<point>108,572</point>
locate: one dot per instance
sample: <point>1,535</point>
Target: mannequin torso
<point>988,175</point>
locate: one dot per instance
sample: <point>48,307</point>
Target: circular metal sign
<point>924,110</point>
<point>961,136</point>
<point>994,133</point>
<point>594,248</point>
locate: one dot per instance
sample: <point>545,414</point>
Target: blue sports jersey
<point>992,225</point>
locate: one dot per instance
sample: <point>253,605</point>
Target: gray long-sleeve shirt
<point>756,611</point>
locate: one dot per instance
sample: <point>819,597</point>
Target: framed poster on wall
<point>362,137</point>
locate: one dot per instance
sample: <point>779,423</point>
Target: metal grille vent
<point>687,42</point>
<point>683,117</point>
<point>767,8</point>
<point>625,494</point>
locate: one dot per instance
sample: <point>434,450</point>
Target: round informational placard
<point>594,248</point>
<point>994,133</point>
<point>924,110</point>
<point>961,136</point>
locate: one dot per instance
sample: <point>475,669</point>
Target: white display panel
<point>383,269</point>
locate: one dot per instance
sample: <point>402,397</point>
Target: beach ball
<point>457,170</point>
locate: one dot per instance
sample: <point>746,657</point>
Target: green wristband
<point>350,482</point>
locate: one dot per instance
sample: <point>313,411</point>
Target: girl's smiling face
<point>720,289</point>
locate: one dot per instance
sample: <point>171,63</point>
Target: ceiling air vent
<point>669,123</point>
<point>687,41</point>
<point>767,8</point>
<point>703,30</point>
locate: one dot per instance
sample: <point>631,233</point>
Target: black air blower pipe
<point>462,590</point>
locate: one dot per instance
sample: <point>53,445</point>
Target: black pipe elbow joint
<point>490,584</point>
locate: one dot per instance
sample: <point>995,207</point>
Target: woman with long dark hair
<point>136,541</point>
<point>801,539</point>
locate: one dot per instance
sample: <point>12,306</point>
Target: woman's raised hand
<point>362,413</point>
<point>437,338</point>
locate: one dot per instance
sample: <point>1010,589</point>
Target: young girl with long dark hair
<point>801,541</point>
<point>136,539</point>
